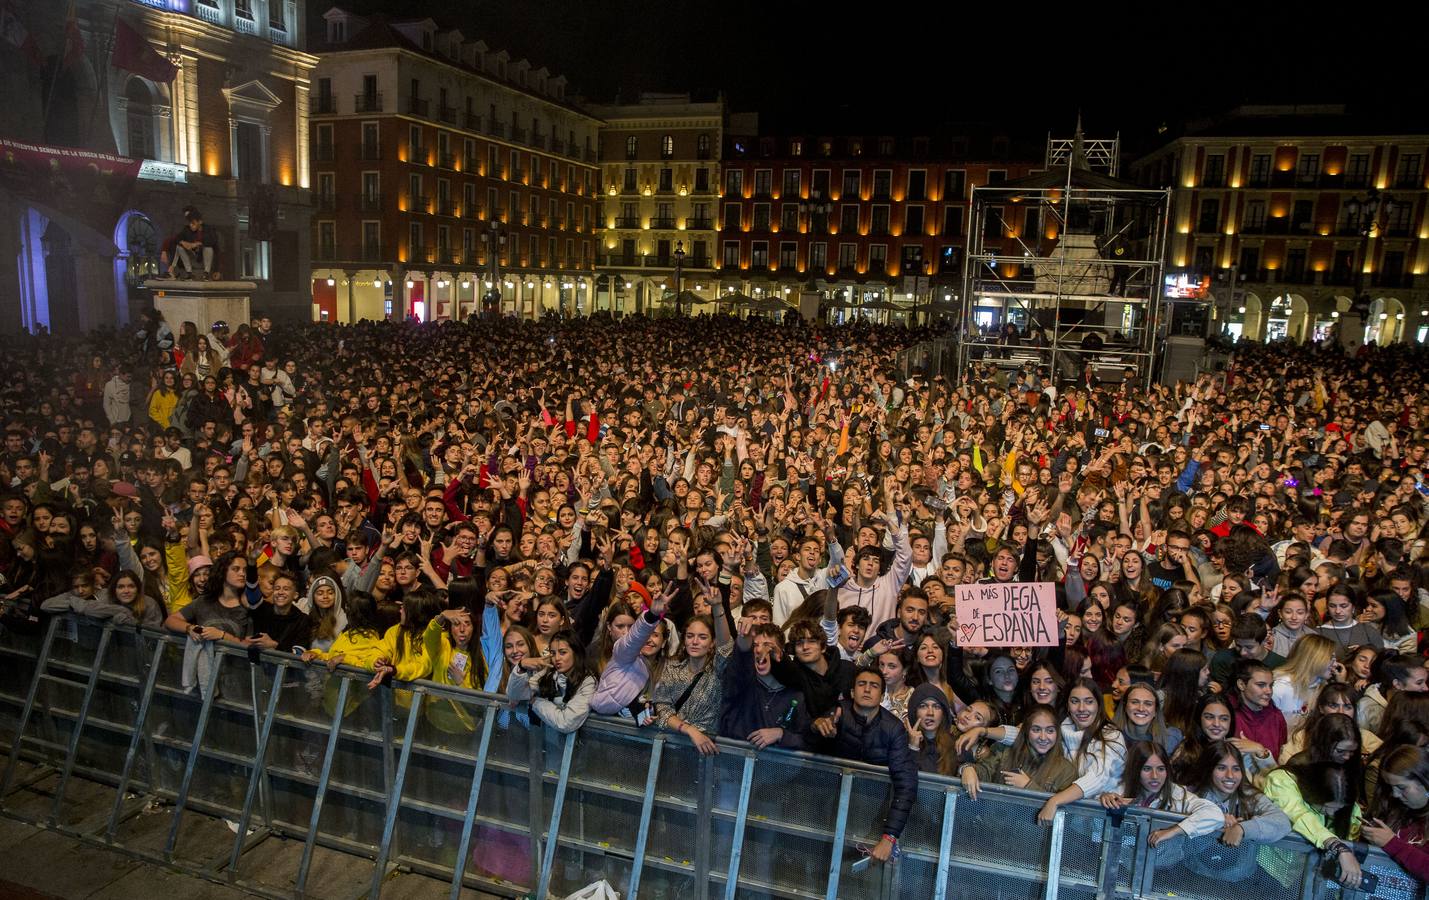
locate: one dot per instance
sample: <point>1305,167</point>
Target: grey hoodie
<point>306,605</point>
<point>103,607</point>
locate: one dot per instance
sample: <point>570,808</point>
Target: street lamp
<point>494,237</point>
<point>679,268</point>
<point>816,208</point>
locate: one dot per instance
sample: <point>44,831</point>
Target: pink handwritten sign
<point>1007,615</point>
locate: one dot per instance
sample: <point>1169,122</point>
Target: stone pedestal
<point>202,302</point>
<point>809,305</point>
<point>1350,331</point>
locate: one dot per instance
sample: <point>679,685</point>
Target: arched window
<point>139,112</point>
<point>667,147</point>
<point>632,146</point>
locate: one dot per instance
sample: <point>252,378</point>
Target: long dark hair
<point>604,646</point>
<point>1137,755</point>
<point>1194,741</point>
<point>1200,769</point>
<point>581,670</point>
<point>1321,779</point>
<point>362,614</point>
<point>1405,761</point>
<point>1181,686</point>
<point>218,575</point>
<point>418,610</point>
<point>1101,726</point>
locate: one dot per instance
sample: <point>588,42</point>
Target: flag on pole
<point>133,53</point>
<point>74,39</point>
<point>15,32</point>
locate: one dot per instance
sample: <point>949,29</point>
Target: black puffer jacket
<point>881,740</point>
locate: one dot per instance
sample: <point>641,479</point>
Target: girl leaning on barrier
<point>1147,784</point>
<point>687,698</point>
<point>1401,810</point>
<point>1217,774</point>
<point>635,662</point>
<point>1036,761</point>
<point>84,599</point>
<point>560,697</point>
<point>1319,790</point>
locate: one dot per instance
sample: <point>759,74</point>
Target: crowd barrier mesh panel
<point>997,848</point>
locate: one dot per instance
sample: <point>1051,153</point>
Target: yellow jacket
<point>177,559</point>
<point>410,663</point>
<point>361,649</point>
<point>1281,787</point>
<point>357,648</point>
<point>449,715</point>
<point>161,407</point>
<point>439,649</point>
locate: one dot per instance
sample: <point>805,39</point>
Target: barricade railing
<point>458,786</point>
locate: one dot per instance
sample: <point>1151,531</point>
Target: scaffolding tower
<point>1084,287</point>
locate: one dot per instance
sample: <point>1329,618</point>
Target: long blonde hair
<point>1307,662</point>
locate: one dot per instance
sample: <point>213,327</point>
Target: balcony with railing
<point>447,113</point>
<point>367,103</point>
<point>325,253</point>
<point>518,134</point>
<point>698,262</point>
<point>446,207</point>
<point>369,203</point>
<point>471,165</point>
<point>496,129</point>
<point>517,174</point>
<point>208,13</point>
<point>324,104</point>
<point>419,204</point>
<point>373,251</point>
<point>558,146</point>
<point>369,152</point>
<point>472,121</point>
<point>705,224</point>
<point>663,222</point>
<point>326,202</point>
<point>324,153</point>
<point>627,221</point>
<point>1392,280</point>
<point>417,154</point>
<point>243,23</point>
<point>446,160</point>
<point>471,210</point>
<point>446,256</point>
<point>619,259</point>
<point>416,106</point>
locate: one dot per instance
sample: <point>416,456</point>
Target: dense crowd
<point>755,531</point>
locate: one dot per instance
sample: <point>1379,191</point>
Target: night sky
<point>897,64</point>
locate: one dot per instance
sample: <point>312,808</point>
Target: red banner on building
<point>88,187</point>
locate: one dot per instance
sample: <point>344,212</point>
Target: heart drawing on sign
<point>967,632</point>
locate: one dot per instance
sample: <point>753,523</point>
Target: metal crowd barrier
<point>454,785</point>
